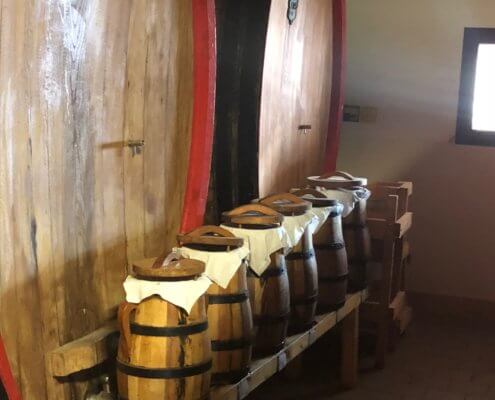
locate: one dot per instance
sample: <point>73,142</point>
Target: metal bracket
<point>292,10</point>
<point>135,146</point>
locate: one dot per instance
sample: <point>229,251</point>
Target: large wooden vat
<point>80,80</point>
<point>164,352</point>
<point>269,293</point>
<point>273,97</point>
<point>230,318</point>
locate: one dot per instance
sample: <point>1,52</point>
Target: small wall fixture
<point>292,10</point>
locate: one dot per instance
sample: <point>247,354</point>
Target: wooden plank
<point>263,369</point>
<point>85,353</point>
<point>398,304</point>
<point>350,350</point>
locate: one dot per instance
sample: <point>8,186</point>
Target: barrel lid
<point>256,215</point>
<point>337,180</point>
<point>210,235</point>
<point>315,197</point>
<point>172,267</point>
<point>286,204</point>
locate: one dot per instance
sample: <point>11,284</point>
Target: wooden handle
<point>289,197</point>
<point>342,174</point>
<point>210,230</point>
<point>249,208</point>
<point>124,317</point>
<point>309,191</point>
<point>165,259</point>
<point>210,235</point>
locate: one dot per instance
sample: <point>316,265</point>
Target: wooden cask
<point>330,251</point>
<point>301,264</point>
<point>164,352</point>
<point>356,233</point>
<point>229,311</point>
<point>269,293</point>
<point>358,245</point>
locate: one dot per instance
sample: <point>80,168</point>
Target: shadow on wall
<point>452,238</point>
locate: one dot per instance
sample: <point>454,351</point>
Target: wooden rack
<point>389,222</point>
<point>264,368</point>
<point>92,350</point>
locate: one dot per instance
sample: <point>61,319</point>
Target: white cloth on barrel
<point>261,243</point>
<point>321,215</point>
<point>220,266</point>
<point>347,197</point>
<point>295,227</point>
<point>183,294</point>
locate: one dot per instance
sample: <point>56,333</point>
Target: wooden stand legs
<point>350,348</point>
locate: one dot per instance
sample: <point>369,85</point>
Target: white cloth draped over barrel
<point>348,198</point>
<point>295,227</point>
<point>261,243</point>
<point>321,215</point>
<point>220,266</point>
<point>183,294</point>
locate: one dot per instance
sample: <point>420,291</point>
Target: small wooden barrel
<point>358,244</point>
<point>229,311</point>
<point>268,294</point>
<point>342,180</point>
<point>331,255</point>
<point>164,353</point>
<point>301,264</point>
<point>356,234</point>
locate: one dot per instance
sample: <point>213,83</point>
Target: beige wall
<point>404,59</point>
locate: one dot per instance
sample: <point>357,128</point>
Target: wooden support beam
<point>350,350</point>
<point>82,354</point>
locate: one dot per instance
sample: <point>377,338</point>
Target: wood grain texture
<point>77,80</point>
<point>296,91</point>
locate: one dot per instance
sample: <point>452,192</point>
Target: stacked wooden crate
<point>387,312</point>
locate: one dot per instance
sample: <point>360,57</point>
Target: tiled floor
<point>436,360</point>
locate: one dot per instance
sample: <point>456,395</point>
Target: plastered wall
<point>404,59</point>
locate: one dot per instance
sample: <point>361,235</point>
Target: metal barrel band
<point>300,255</point>
<point>229,345</point>
<point>301,301</point>
<point>169,331</point>
<point>164,373</point>
<point>227,298</point>
<point>333,278</point>
<point>330,246</point>
<point>270,319</point>
<point>269,273</point>
<point>231,376</point>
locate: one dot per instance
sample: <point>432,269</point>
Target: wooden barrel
<point>331,255</point>
<point>229,311</point>
<point>358,244</point>
<point>164,352</point>
<point>356,234</point>
<point>269,293</point>
<point>301,264</point>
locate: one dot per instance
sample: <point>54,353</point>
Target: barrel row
<point>183,351</point>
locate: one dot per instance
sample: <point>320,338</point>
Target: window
<point>476,114</point>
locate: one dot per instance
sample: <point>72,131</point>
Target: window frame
<point>473,37</point>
